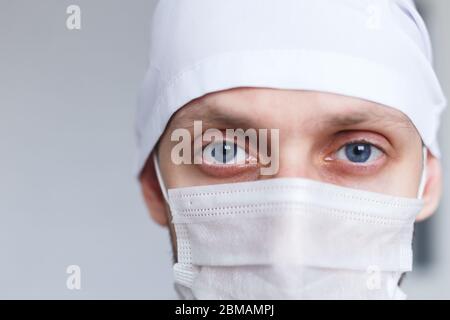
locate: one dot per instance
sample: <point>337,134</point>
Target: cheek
<point>178,176</point>
<point>405,180</point>
<point>399,179</point>
<point>172,174</point>
<point>192,175</point>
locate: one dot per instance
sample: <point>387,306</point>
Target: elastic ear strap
<point>423,178</point>
<point>159,177</point>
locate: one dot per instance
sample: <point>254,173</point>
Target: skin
<point>314,128</point>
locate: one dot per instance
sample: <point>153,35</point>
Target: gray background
<point>67,191</point>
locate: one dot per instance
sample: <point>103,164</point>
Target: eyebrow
<point>212,114</point>
<point>369,116</point>
<point>209,114</point>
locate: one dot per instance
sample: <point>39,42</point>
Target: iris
<point>224,152</point>
<point>358,152</point>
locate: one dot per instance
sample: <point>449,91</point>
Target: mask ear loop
<point>159,177</point>
<point>184,273</point>
<point>423,178</point>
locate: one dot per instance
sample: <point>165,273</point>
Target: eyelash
<point>362,141</point>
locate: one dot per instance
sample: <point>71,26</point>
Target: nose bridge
<point>296,132</point>
<point>295,159</point>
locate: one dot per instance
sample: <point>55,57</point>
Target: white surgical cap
<point>378,50</point>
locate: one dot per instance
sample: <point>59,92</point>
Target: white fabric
<point>290,238</point>
<point>234,240</point>
<point>377,50</point>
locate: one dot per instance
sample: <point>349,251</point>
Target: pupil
<point>358,152</point>
<point>224,152</point>
<point>228,152</point>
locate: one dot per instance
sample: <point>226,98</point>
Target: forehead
<point>264,107</point>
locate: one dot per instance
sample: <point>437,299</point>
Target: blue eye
<point>223,152</point>
<point>359,152</point>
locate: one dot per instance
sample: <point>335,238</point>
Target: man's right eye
<point>224,153</point>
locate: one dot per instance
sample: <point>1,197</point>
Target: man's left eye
<point>359,152</point>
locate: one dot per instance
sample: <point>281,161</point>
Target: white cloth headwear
<point>378,50</point>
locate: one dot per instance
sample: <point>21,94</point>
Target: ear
<point>153,196</point>
<point>433,187</point>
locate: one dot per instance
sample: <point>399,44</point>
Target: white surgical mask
<point>290,238</point>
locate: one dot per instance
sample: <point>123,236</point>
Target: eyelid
<point>349,137</point>
<point>363,141</point>
<point>360,136</point>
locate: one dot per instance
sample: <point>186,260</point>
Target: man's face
<point>325,137</point>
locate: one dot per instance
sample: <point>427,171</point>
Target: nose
<point>295,160</point>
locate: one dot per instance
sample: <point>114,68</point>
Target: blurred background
<point>67,191</point>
